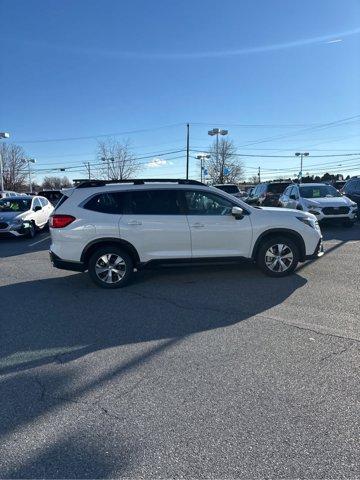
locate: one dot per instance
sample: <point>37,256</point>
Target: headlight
<point>311,222</point>
<point>312,207</point>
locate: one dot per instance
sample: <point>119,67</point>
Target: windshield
<point>277,187</point>
<point>228,188</point>
<point>14,205</point>
<point>319,191</point>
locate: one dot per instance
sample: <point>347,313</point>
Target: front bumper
<point>15,230</point>
<point>66,264</point>
<point>321,217</point>
<point>319,251</point>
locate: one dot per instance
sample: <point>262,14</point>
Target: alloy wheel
<point>110,268</point>
<point>279,257</point>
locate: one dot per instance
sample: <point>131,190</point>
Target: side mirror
<point>237,212</point>
<point>37,208</point>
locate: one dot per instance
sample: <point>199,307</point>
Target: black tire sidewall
<point>106,250</point>
<point>32,231</point>
<point>266,245</point>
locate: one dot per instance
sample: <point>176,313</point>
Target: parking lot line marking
<point>35,243</point>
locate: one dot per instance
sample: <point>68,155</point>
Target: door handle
<point>198,225</point>
<point>134,222</point>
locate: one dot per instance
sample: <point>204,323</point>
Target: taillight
<point>61,221</point>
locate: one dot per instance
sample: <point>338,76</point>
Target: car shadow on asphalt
<point>10,247</point>
<point>61,319</point>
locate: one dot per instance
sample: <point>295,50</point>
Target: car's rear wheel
<point>278,256</point>
<point>110,267</point>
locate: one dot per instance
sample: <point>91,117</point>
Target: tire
<point>348,224</point>
<point>105,258</point>
<point>269,249</point>
<point>31,231</point>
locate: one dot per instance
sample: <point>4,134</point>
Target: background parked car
<point>7,193</point>
<point>323,201</point>
<point>52,195</point>
<point>23,215</point>
<point>267,194</point>
<point>229,188</point>
<point>352,190</point>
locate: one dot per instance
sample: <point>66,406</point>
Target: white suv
<point>112,229</point>
<point>323,201</point>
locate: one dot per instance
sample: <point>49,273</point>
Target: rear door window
<point>154,202</point>
<point>277,187</point>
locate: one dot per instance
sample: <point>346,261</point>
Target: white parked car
<point>323,201</point>
<point>8,193</point>
<point>111,229</point>
<point>24,215</point>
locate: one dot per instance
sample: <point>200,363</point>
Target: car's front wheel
<point>278,256</point>
<point>110,267</point>
<point>31,231</point>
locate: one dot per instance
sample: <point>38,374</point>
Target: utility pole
<point>301,155</point>
<point>259,174</point>
<point>187,149</point>
<point>87,166</point>
<point>2,135</point>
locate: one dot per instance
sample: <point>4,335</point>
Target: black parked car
<point>52,195</point>
<point>352,190</point>
<point>267,194</point>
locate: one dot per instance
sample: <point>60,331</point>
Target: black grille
<point>336,210</point>
<point>3,225</point>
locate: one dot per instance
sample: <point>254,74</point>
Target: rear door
<point>214,230</point>
<point>155,224</point>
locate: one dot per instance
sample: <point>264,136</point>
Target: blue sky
<point>270,71</point>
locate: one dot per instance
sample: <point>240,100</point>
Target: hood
<point>287,211</point>
<point>328,202</point>
<point>6,216</point>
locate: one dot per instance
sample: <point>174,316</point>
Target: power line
<point>101,135</point>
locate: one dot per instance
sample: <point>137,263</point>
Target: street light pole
<point>2,135</point>
<point>301,155</point>
<point>30,160</point>
<point>217,132</point>
<point>202,157</point>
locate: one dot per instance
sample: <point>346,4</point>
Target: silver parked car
<point>323,201</point>
<point>23,215</point>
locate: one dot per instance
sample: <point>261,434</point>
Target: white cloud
<point>337,40</point>
<point>158,162</point>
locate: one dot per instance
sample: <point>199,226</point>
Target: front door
<point>215,232</point>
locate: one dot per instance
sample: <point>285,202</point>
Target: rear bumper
<point>319,251</point>
<point>66,264</point>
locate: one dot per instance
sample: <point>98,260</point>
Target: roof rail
<point>137,181</point>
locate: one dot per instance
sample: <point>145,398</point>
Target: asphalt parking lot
<point>215,371</point>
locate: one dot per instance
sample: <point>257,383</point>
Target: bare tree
<point>14,166</point>
<point>119,161</point>
<point>55,183</point>
<point>254,179</point>
<point>224,166</point>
